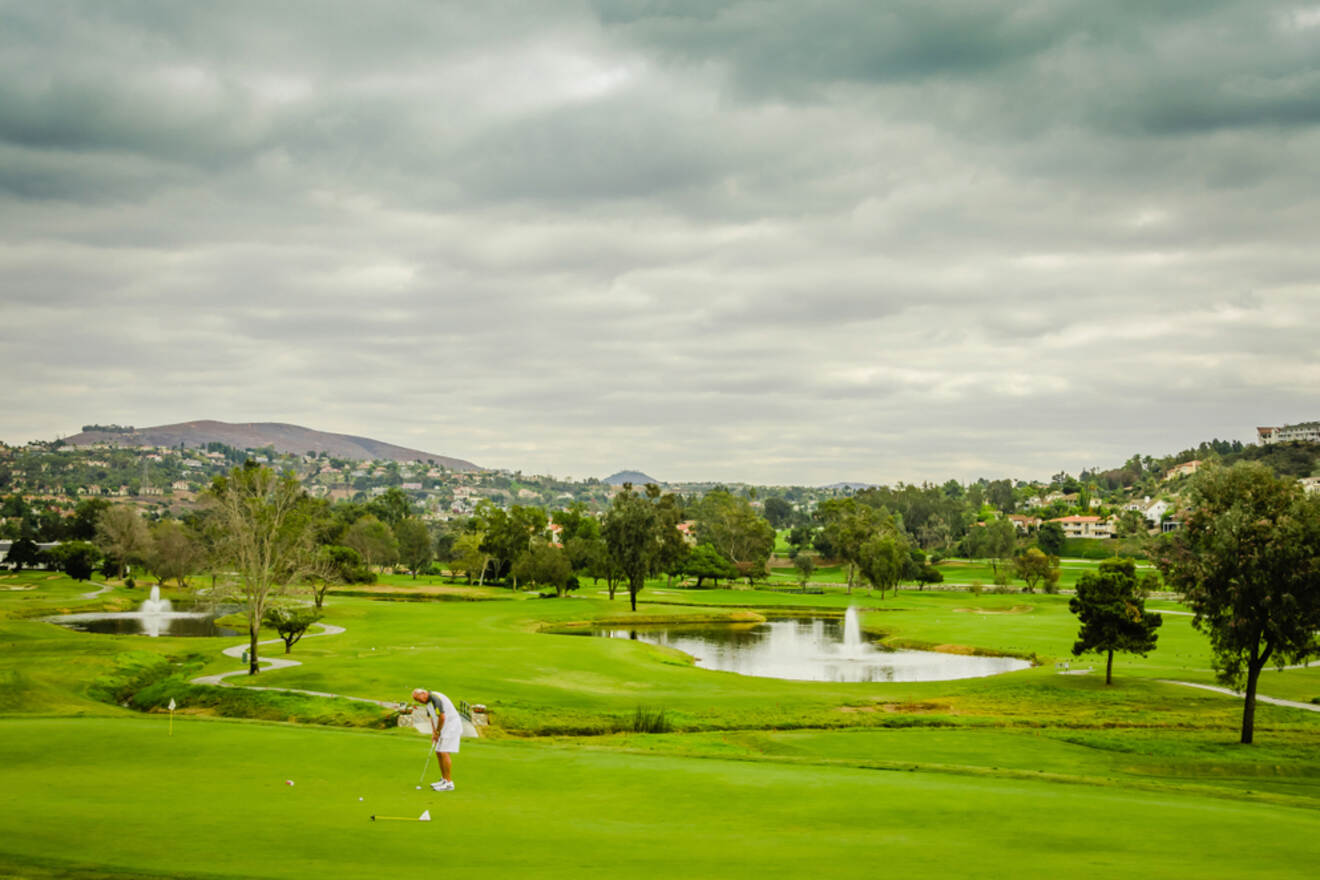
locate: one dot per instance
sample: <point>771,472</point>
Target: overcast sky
<point>773,241</point>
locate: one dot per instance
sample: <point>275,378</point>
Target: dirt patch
<point>899,708</point>
<point>1016,609</point>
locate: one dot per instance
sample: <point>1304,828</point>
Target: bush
<point>977,588</point>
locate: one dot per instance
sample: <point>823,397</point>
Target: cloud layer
<point>761,240</point>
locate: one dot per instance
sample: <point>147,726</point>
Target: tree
<point>543,564</point>
<point>631,533</point>
<point>778,512</point>
<point>1111,608</point>
<point>847,524</point>
<point>414,541</point>
<point>1036,568</point>
<point>470,558</point>
<point>85,515</point>
<point>174,553</point>
<point>805,565</point>
<point>736,530</point>
<point>882,559</point>
<point>799,538</point>
<point>1000,493</point>
<point>706,562</point>
<point>23,552</point>
<point>672,555</point>
<point>123,537</point>
<point>290,623</point>
<point>1130,524</point>
<point>508,533</point>
<point>1247,561</point>
<point>1050,538</point>
<point>77,559</point>
<point>374,540</point>
<point>392,507</point>
<point>336,564</point>
<point>262,527</point>
<point>995,541</point>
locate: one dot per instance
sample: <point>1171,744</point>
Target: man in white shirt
<point>446,729</point>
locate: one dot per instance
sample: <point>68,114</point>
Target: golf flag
<point>171,716</point>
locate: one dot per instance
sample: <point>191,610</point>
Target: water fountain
<point>813,650</point>
<point>154,617</point>
<point>852,632</point>
<point>155,604</point>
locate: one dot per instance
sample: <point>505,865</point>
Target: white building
<point>1308,432</point>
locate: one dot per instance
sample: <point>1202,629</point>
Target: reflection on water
<point>811,649</point>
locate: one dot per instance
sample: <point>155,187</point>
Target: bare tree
<point>262,528</point>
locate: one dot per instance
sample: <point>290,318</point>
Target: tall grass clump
<point>648,720</point>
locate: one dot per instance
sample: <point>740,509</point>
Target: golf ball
<point>419,788</point>
<point>359,798</point>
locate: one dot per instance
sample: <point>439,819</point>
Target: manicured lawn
<point>211,801</point>
<point>1031,773</point>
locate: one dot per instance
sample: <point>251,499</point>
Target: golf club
<point>422,778</point>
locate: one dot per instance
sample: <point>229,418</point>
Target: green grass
<point>1024,774</point>
<point>211,801</point>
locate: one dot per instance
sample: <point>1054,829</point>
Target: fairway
<point>1030,773</point>
<point>211,801</point>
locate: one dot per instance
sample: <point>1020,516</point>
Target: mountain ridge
<point>282,436</point>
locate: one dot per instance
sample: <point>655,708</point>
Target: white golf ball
<point>359,798</point>
<point>419,788</point>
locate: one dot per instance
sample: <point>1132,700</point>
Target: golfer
<point>446,728</point>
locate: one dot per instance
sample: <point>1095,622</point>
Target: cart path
<point>1275,701</point>
<point>269,663</point>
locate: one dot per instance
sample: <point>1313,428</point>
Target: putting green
<point>119,797</point>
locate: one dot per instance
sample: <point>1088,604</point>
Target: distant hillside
<point>637,478</point>
<point>853,486</point>
<point>258,435</point>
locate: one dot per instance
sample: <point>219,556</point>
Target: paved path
<point>1274,701</point>
<point>269,663</point>
<point>94,593</point>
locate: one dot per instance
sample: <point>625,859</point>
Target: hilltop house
<point>1186,469</point>
<point>1308,432</point>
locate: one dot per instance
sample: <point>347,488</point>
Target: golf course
<point>618,754</point>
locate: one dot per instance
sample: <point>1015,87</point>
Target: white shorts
<point>449,736</point>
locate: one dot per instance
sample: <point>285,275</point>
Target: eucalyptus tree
<point>262,528</point>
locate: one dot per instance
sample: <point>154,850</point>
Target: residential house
<point>1308,432</point>
<point>1186,469</point>
<point>1025,524</point>
<point>1085,527</point>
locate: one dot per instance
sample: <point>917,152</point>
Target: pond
<point>154,617</point>
<point>811,649</point>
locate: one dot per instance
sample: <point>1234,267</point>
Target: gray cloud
<point>765,240</point>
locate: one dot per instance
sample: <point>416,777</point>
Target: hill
<point>258,435</point>
<point>637,478</point>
